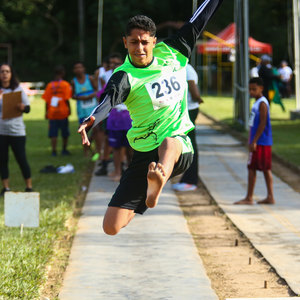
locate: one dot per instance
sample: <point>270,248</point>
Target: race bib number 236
<point>167,90</point>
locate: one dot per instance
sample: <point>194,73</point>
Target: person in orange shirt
<point>57,95</point>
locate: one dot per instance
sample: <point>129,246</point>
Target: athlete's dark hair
<point>140,22</point>
<point>257,80</point>
<point>14,82</point>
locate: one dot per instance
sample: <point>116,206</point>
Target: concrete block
<point>21,208</point>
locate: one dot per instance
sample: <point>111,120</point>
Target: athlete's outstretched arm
<point>116,92</point>
<point>185,39</point>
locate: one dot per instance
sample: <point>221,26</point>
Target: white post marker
<point>21,209</point>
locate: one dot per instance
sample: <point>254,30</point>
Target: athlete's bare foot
<point>268,200</point>
<point>156,178</point>
<point>245,201</point>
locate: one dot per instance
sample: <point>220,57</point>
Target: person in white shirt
<point>189,179</point>
<point>286,75</point>
<point>104,75</point>
<point>12,130</point>
<point>254,70</point>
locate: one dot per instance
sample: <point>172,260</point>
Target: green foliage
<point>23,258</point>
<point>269,23</point>
<point>44,33</point>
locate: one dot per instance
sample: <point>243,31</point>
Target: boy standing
<point>260,143</point>
<point>84,92</point>
<point>57,95</point>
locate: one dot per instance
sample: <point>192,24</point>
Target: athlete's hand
<point>83,128</point>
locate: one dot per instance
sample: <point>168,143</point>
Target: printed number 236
<point>171,85</point>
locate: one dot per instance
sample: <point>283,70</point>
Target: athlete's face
<point>140,46</point>
<point>255,90</point>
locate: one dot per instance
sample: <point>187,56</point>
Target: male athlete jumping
<point>152,84</point>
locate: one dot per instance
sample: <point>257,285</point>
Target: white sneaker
<point>69,168</point>
<point>176,185</point>
<point>184,187</point>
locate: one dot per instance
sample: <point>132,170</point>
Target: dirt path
<point>234,267</point>
<point>235,271</point>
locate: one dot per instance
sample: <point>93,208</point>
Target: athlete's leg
<point>269,183</point>
<point>248,200</point>
<point>116,218</point>
<point>158,173</point>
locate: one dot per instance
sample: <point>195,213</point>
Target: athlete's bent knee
<point>110,229</point>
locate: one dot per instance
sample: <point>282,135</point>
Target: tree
<point>44,33</point>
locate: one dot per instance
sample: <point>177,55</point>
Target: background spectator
<point>12,131</point>
<point>286,75</point>
<point>189,179</point>
<point>84,92</point>
<point>57,95</point>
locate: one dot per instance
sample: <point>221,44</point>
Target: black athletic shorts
<point>132,190</point>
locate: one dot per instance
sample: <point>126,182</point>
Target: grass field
<point>23,258</point>
<point>286,133</point>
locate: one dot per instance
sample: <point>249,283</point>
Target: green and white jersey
<point>157,101</point>
<point>156,95</point>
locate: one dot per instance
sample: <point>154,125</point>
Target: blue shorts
<point>117,138</point>
<point>55,125</point>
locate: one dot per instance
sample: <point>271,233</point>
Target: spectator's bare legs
<point>107,148</point>
<point>99,139</point>
<point>248,200</point>
<point>269,183</point>
<point>118,158</point>
<point>28,183</point>
<point>158,173</point>
<point>53,144</point>
<point>5,183</point>
<point>65,143</point>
